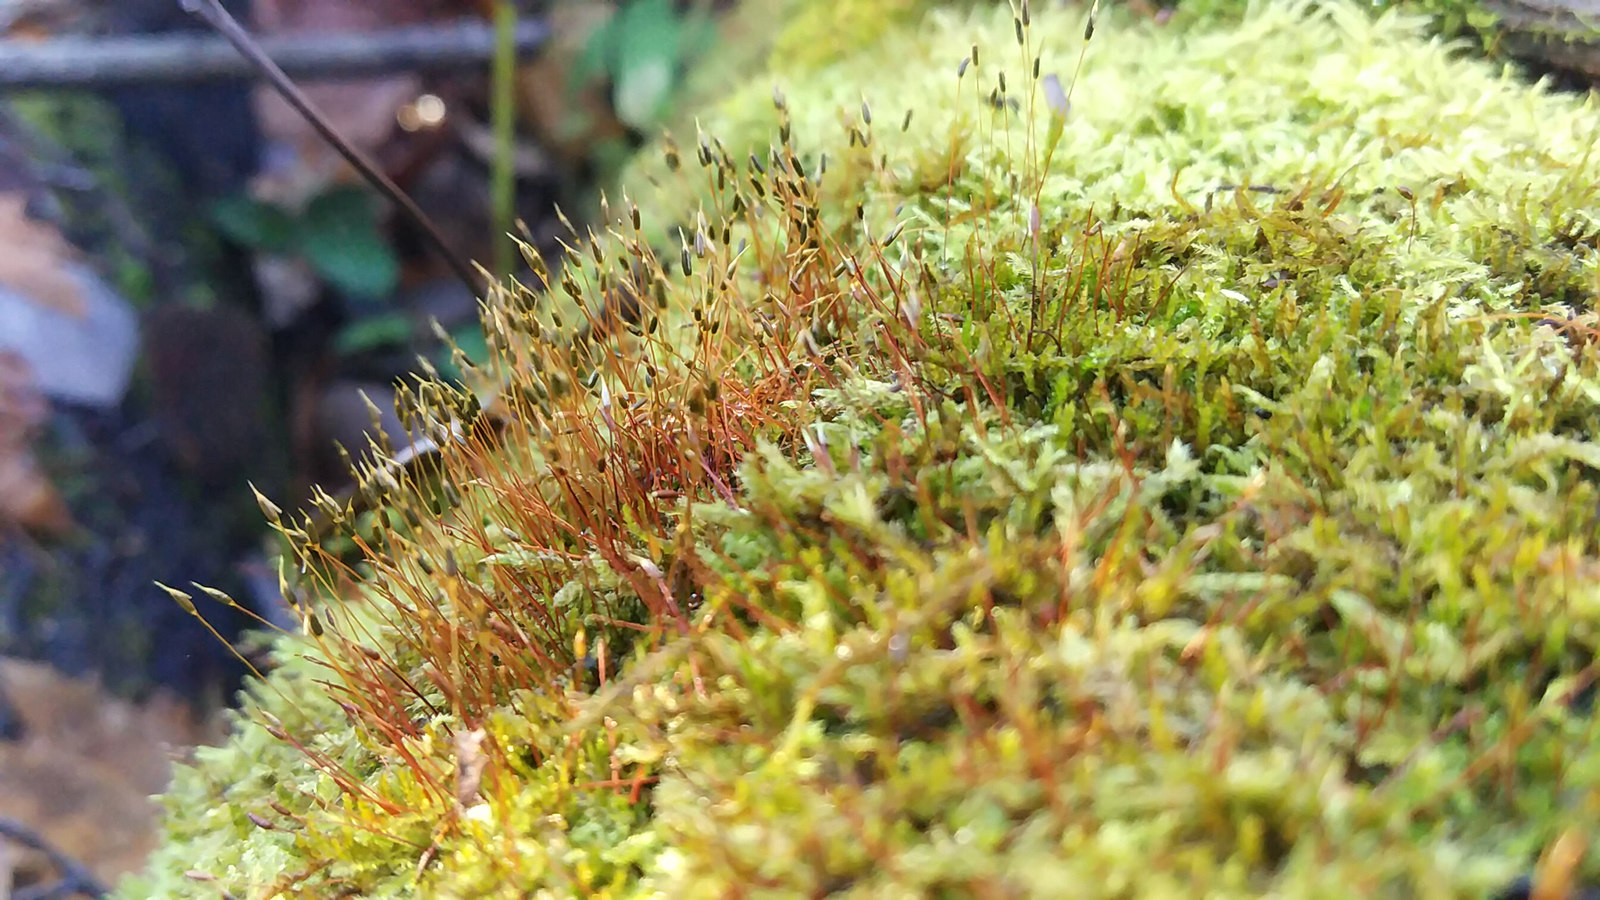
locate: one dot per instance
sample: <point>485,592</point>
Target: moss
<point>1204,505</point>
<point>821,33</point>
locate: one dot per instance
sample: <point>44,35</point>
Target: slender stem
<point>213,14</point>
<point>503,186</point>
<point>75,876</point>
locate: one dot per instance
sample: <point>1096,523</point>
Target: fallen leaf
<point>35,20</point>
<point>85,359</point>
<point>36,258</point>
<point>347,15</point>
<point>22,405</point>
<point>363,110</point>
<point>83,769</point>
<point>27,497</point>
<point>470,762</point>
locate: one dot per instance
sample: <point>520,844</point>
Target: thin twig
<point>99,62</point>
<point>75,876</point>
<point>218,18</point>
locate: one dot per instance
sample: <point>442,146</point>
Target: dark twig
<point>218,18</point>
<point>75,876</point>
<point>98,62</point>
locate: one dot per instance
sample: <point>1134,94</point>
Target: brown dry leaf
<point>363,111</point>
<point>470,762</point>
<point>27,497</point>
<point>336,15</point>
<point>83,771</point>
<point>22,407</point>
<point>35,260</point>
<point>1558,866</point>
<point>34,20</point>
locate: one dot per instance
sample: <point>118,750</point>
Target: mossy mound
<point>1191,494</point>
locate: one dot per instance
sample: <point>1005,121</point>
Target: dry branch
<point>76,878</point>
<point>94,62</point>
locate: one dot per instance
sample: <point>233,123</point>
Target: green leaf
<point>698,33</point>
<point>360,265</point>
<point>340,239</point>
<point>594,60</point>
<point>254,224</point>
<point>342,208</point>
<point>372,332</point>
<point>642,92</point>
<point>648,48</point>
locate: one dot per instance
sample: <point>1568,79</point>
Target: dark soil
<point>89,604</point>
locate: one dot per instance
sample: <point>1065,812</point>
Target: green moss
<point>1208,510</point>
<point>821,33</point>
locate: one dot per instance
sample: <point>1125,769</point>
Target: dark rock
<point>209,382</point>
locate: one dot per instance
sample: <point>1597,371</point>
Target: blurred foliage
<point>643,50</point>
<point>338,233</point>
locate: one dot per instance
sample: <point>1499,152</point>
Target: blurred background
<point>197,292</point>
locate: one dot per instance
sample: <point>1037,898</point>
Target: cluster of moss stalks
<point>925,483</point>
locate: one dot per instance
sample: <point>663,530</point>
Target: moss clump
<point>1187,495</point>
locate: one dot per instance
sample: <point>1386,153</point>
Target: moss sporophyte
<point>1186,490</point>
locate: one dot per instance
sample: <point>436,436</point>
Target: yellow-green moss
<point>1212,511</point>
<point>821,33</point>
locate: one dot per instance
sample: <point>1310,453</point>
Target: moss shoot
<point>923,482</point>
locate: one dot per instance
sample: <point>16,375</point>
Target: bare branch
<point>75,876</point>
<point>95,62</point>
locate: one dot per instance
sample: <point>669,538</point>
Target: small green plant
<point>338,233</point>
<point>643,50</point>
